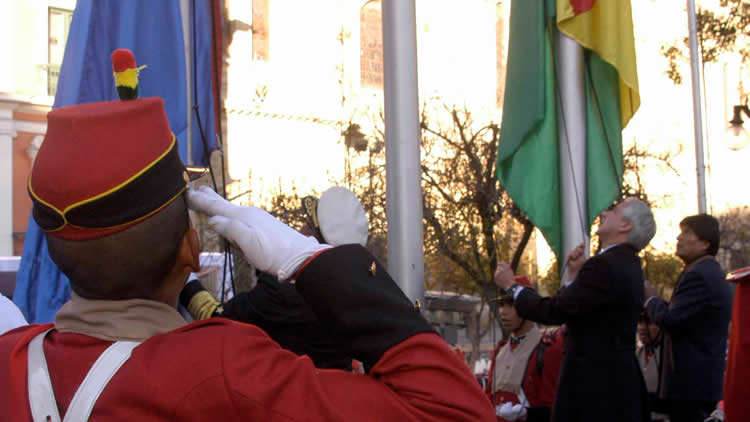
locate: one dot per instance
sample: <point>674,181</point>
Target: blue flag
<point>153,31</point>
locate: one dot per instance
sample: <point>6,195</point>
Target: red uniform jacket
<point>736,387</point>
<point>222,370</point>
<point>538,385</point>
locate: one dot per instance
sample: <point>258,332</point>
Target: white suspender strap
<point>99,375</point>
<point>41,396</point>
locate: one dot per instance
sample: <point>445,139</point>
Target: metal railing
<point>53,74</point>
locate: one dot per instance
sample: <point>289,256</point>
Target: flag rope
<point>227,246</point>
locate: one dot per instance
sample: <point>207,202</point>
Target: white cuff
<point>645,304</point>
<point>515,294</point>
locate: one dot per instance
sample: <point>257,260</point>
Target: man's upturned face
<point>611,221</point>
<point>689,246</point>
<point>509,318</point>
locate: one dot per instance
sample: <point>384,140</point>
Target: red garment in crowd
<point>736,387</point>
<point>538,388</point>
<point>238,373</point>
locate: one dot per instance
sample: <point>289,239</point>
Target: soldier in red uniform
<point>525,366</point>
<point>117,225</point>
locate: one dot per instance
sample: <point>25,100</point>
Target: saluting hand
<point>270,245</point>
<point>503,275</point>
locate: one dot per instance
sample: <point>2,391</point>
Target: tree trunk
<point>472,330</point>
<point>527,229</point>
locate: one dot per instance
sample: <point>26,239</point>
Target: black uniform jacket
<point>600,379</point>
<point>281,312</point>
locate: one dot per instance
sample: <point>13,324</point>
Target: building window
<point>371,45</point>
<point>260,30</point>
<point>59,26</point>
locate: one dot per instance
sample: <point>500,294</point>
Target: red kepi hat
<point>104,167</point>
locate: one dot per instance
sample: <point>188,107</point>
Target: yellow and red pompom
<point>126,73</point>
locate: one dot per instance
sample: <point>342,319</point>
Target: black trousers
<point>690,410</point>
<point>539,414</point>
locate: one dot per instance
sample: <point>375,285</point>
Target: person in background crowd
<point>647,351</point>
<point>600,379</point>
<point>695,324</point>
<point>10,316</point>
<point>525,366</point>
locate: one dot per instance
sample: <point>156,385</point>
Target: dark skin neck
<point>188,261</point>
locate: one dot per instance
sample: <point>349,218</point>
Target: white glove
<point>267,243</point>
<point>510,412</point>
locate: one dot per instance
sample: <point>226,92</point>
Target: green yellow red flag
<point>606,28</point>
<point>528,153</point>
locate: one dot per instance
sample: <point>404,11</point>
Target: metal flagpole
<point>402,134</point>
<point>697,111</point>
<point>572,136</point>
<point>185,17</point>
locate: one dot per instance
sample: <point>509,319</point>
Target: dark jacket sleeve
<point>280,311</point>
<point>269,303</point>
<point>589,291</point>
<point>368,312</point>
<point>689,301</point>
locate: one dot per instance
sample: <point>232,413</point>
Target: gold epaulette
<point>203,305</point>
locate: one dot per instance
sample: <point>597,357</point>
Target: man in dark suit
<point>695,324</point>
<point>600,378</point>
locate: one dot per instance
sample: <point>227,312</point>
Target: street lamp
<point>737,137</point>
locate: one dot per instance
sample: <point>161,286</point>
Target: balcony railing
<point>53,74</point>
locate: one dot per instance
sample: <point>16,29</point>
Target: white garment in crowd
<point>10,316</point>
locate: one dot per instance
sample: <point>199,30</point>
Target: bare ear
<point>195,249</point>
<point>626,226</point>
<point>190,249</point>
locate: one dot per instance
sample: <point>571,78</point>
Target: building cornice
<point>43,102</point>
<point>30,127</point>
<point>22,114</point>
<point>276,115</point>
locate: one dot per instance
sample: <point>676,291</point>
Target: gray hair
<point>644,226</point>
